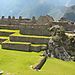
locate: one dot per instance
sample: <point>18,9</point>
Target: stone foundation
<point>10,27</point>
<point>21,47</point>
<point>29,39</point>
<point>2,40</point>
<point>38,48</point>
<point>35,30</point>
<point>5,33</point>
<point>24,47</point>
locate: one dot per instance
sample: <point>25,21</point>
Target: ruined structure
<point>45,20</point>
<point>37,35</point>
<point>42,20</point>
<point>32,32</point>
<point>59,46</point>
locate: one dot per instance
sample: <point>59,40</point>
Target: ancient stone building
<point>42,20</point>
<point>34,32</point>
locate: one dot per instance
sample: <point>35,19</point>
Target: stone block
<point>35,30</point>
<point>5,33</point>
<point>29,39</point>
<point>35,48</point>
<point>38,48</point>
<point>13,46</point>
<point>9,27</point>
<point>2,40</point>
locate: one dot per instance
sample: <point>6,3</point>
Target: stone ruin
<point>38,27</point>
<point>15,23</point>
<point>42,34</point>
<point>44,20</point>
<point>59,46</point>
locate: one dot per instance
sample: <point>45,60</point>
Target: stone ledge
<point>35,30</point>
<point>24,46</point>
<point>5,33</point>
<point>2,40</point>
<point>38,48</point>
<point>16,46</point>
<point>29,39</point>
<point>9,27</point>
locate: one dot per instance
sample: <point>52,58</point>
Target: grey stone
<point>21,47</point>
<point>29,39</point>
<point>35,30</point>
<point>59,44</point>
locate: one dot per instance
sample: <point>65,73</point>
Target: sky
<point>29,8</point>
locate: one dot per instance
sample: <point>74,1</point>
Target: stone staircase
<point>23,42</point>
<point>26,42</point>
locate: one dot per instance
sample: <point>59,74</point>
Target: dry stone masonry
<point>33,31</point>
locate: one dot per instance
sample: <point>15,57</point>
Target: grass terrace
<point>31,36</point>
<point>4,37</point>
<point>19,63</point>
<point>38,45</point>
<point>14,62</point>
<point>7,30</point>
<point>7,41</point>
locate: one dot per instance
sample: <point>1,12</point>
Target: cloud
<point>42,1</point>
<point>68,3</point>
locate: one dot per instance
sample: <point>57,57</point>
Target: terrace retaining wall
<point>29,39</point>
<point>5,33</point>
<point>35,30</point>
<point>21,47</point>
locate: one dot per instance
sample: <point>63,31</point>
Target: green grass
<point>4,37</point>
<point>31,36</point>
<point>7,30</point>
<point>18,63</point>
<point>8,41</point>
<point>38,45</point>
<point>58,67</point>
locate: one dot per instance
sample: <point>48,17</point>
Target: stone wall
<point>44,20</point>
<point>2,40</point>
<point>35,30</point>
<point>29,39</point>
<point>35,48</point>
<point>22,47</point>
<point>10,27</point>
<point>38,48</point>
<point>5,33</point>
<point>67,26</point>
<point>9,22</point>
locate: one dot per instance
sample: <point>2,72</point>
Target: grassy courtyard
<point>19,63</point>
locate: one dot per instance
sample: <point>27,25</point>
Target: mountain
<point>70,13</point>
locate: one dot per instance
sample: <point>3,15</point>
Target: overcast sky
<point>17,7</point>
